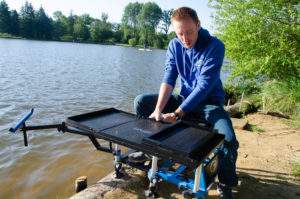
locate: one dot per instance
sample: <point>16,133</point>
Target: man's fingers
<point>156,116</point>
<point>152,116</point>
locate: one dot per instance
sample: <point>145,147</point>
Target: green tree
<point>27,20</point>
<point>159,40</point>
<point>4,17</point>
<point>14,23</point>
<point>130,20</point>
<point>117,32</point>
<point>166,21</point>
<point>43,25</point>
<point>59,25</point>
<point>261,37</point>
<point>101,30</point>
<point>149,19</point>
<point>70,22</point>
<point>81,27</point>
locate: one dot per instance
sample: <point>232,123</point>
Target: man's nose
<point>184,37</point>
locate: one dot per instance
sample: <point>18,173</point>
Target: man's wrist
<point>177,116</point>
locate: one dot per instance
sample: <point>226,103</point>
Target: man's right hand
<point>157,115</point>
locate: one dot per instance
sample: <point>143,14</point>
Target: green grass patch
<point>6,35</point>
<point>277,176</point>
<point>121,44</point>
<point>277,96</point>
<point>128,45</point>
<point>283,96</point>
<point>295,169</point>
<point>293,122</point>
<point>251,127</point>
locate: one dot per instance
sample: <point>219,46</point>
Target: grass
<point>125,45</point>
<point>283,96</point>
<point>278,96</point>
<point>293,122</point>
<point>251,127</point>
<point>6,35</point>
<point>295,169</point>
<point>279,177</point>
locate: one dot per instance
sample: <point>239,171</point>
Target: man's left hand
<point>169,117</point>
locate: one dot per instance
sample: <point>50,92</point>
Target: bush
<point>234,91</point>
<point>261,37</point>
<point>6,35</point>
<point>132,42</point>
<point>283,96</point>
<point>66,38</point>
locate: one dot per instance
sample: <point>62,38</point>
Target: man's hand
<point>169,117</point>
<point>157,115</point>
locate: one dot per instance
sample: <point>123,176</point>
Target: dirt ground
<point>262,166</point>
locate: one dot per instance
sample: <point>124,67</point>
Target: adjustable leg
<point>197,178</point>
<point>153,186</point>
<point>117,162</point>
<point>196,193</point>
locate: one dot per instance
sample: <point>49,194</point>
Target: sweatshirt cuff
<point>184,108</point>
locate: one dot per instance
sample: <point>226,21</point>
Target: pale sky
<point>114,8</point>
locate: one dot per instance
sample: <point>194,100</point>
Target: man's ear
<point>198,25</point>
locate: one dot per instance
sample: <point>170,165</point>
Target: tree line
<point>141,24</point>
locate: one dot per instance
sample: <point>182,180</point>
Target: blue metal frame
<point>14,129</point>
<point>183,182</point>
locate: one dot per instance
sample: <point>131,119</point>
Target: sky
<point>114,8</point>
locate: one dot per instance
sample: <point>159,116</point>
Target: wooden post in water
<point>80,183</point>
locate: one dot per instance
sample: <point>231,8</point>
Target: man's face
<point>187,31</point>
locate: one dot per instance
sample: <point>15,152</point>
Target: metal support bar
<point>197,178</point>
<point>154,166</point>
<point>117,162</point>
<point>153,186</point>
<point>153,170</point>
<point>39,127</point>
<point>25,134</point>
<point>117,155</point>
<point>25,128</point>
<point>98,146</point>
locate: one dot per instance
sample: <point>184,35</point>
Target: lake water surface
<point>61,80</point>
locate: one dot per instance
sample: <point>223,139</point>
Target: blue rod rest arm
<point>14,129</point>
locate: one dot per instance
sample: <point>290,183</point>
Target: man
<point>197,58</point>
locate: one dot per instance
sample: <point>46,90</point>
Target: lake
<point>59,80</point>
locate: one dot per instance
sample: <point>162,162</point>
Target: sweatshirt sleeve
<point>171,72</point>
<point>206,77</point>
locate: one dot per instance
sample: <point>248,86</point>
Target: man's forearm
<point>165,92</point>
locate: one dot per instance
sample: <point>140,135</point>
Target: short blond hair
<point>183,13</point>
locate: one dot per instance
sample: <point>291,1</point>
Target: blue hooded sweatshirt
<point>199,70</point>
